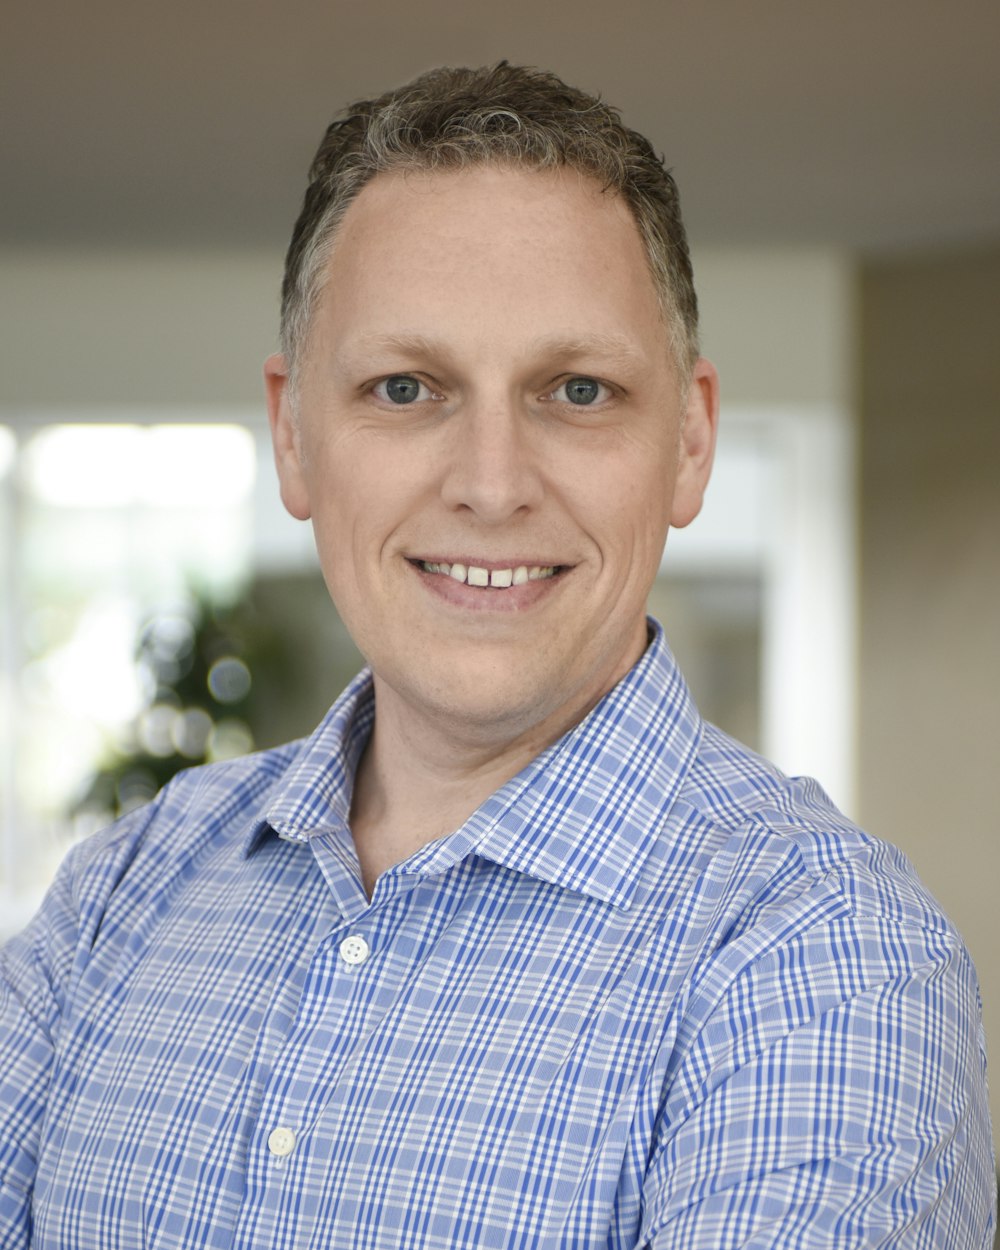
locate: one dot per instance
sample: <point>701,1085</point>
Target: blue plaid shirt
<point>651,993</point>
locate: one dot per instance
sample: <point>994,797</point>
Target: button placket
<point>279,1107</point>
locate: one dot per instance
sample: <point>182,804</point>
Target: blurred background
<point>837,605</point>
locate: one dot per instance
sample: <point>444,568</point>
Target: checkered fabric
<point>651,993</point>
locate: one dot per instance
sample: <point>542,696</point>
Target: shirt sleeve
<point>38,969</point>
<point>33,971</point>
<point>839,1108</point>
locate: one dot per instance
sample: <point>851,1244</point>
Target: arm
<point>34,967</point>
<point>834,1096</point>
<point>38,970</point>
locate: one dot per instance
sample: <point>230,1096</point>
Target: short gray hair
<point>501,115</point>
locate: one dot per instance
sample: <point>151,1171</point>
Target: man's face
<point>491,441</point>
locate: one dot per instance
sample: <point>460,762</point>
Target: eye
<point>402,388</point>
<point>581,391</point>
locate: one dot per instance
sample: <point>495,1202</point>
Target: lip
<point>488,599</point>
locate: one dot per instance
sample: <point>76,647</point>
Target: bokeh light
<point>229,679</point>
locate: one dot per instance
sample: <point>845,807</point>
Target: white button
<point>354,950</point>
<point>281,1142</point>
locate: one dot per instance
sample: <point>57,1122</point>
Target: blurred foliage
<point>221,680</point>
<point>196,666</point>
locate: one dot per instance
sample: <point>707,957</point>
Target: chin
<point>485,702</point>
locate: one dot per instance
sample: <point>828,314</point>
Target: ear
<point>285,439</point>
<point>697,444</point>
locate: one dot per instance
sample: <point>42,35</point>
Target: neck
<point>417,782</point>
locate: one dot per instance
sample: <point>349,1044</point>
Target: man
<point>515,950</point>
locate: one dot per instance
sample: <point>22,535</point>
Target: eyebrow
<point>616,346</point>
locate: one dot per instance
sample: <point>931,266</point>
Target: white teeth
<point>473,575</point>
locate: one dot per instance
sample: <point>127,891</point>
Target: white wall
<point>780,323</point>
<point>90,328</point>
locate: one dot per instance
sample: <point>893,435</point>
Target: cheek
<point>637,532</point>
<point>335,518</point>
<point>630,509</point>
<point>357,510</point>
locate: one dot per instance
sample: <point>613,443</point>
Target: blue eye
<point>581,391</point>
<point>401,388</point>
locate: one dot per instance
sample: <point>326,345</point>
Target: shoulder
<point>140,858</point>
<point>211,801</point>
<point>772,838</point>
<point>791,910</point>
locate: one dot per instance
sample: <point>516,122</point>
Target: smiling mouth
<point>498,579</point>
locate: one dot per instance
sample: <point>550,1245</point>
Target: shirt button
<point>354,950</point>
<point>281,1142</point>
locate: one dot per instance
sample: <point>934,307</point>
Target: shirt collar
<point>315,793</point>
<point>583,815</point>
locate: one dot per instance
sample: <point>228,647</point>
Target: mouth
<point>496,578</point>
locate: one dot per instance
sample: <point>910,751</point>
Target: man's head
<point>505,116</point>
<point>490,430</point>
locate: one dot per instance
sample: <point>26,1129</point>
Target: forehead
<point>542,250</point>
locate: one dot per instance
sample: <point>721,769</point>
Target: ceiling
<point>873,125</point>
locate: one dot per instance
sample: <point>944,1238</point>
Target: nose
<point>492,462</point>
